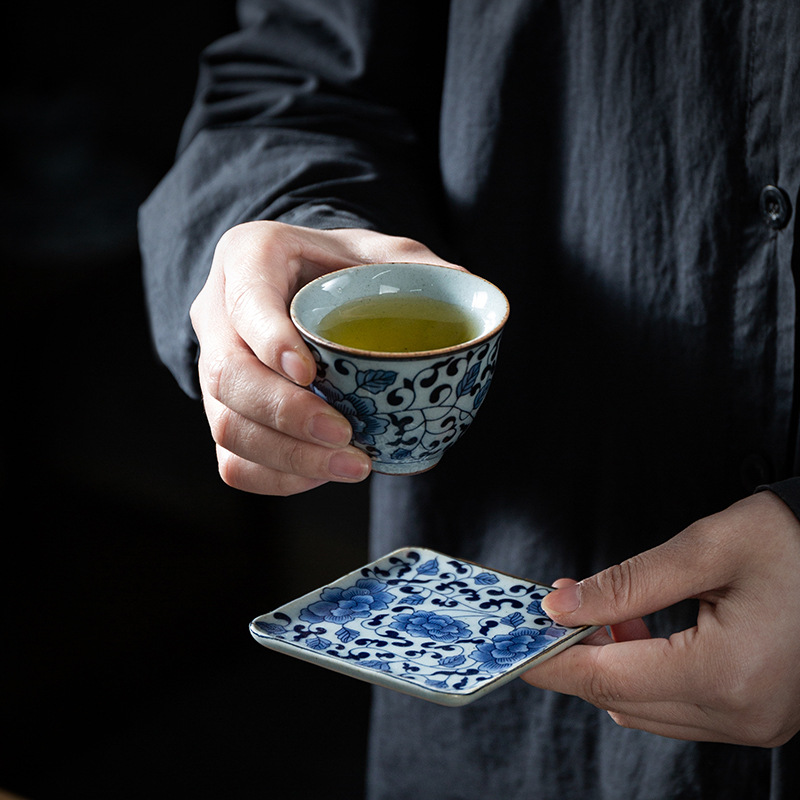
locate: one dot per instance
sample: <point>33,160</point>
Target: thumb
<point>639,586</point>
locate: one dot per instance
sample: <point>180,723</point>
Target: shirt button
<point>776,208</point>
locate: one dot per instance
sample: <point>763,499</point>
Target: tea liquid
<point>398,323</point>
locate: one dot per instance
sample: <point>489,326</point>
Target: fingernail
<point>296,367</point>
<point>349,465</point>
<point>329,429</point>
<point>563,601</point>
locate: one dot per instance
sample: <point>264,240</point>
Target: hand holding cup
<point>272,435</point>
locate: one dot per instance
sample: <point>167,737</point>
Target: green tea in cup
<point>406,352</point>
<point>402,322</point>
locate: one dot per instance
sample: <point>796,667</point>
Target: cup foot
<point>408,468</point>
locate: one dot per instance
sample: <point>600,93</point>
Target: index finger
<point>264,264</point>
<point>262,269</point>
<point>644,670</point>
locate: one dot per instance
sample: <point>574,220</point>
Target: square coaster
<point>423,623</point>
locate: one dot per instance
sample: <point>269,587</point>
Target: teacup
<point>406,408</point>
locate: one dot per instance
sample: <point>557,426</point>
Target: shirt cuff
<point>788,490</point>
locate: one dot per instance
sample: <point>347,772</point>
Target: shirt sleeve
<point>321,113</point>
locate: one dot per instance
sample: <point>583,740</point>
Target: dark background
<point>129,571</point>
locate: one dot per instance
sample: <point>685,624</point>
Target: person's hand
<point>273,436</point>
<point>735,676</point>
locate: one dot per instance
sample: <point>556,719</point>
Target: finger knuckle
<point>282,409</point>
<point>624,720</point>
<point>196,309</point>
<point>600,690</point>
<point>229,468</point>
<point>214,372</point>
<point>737,695</point>
<point>234,238</point>
<point>732,697</point>
<point>238,473</point>
<point>223,428</point>
<point>762,730</point>
<point>286,485</point>
<point>265,238</point>
<point>238,296</point>
<point>404,245</point>
<point>246,252</point>
<point>293,457</point>
<point>618,584</point>
<point>368,245</point>
<point>703,543</point>
<point>738,686</point>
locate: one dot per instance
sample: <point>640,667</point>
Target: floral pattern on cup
<point>410,415</point>
<point>422,618</point>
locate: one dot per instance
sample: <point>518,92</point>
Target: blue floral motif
<point>430,567</point>
<point>346,605</point>
<point>428,624</point>
<point>506,649</point>
<point>271,628</point>
<point>535,608</point>
<point>381,666</point>
<point>406,419</point>
<point>418,617</point>
<point>401,455</point>
<point>453,661</point>
<point>468,381</point>
<point>360,412</point>
<point>480,395</point>
<point>346,634</point>
<point>375,380</point>
<point>514,620</point>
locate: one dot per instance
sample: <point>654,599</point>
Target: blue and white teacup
<point>406,409</point>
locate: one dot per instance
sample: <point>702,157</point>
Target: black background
<point>129,571</point>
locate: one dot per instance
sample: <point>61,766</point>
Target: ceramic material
<point>420,622</point>
<point>406,409</point>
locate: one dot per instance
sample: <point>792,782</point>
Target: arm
<point>309,118</point>
<point>318,114</point>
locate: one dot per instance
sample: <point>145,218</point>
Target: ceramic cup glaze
<point>406,408</point>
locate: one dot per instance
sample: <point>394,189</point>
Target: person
<point>627,173</point>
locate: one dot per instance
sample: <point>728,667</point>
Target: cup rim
<point>389,355</point>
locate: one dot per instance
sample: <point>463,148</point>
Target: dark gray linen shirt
<point>628,173</point>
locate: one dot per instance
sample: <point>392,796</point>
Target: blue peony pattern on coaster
<point>422,622</point>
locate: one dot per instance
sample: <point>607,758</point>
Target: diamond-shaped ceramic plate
<point>422,623</point>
